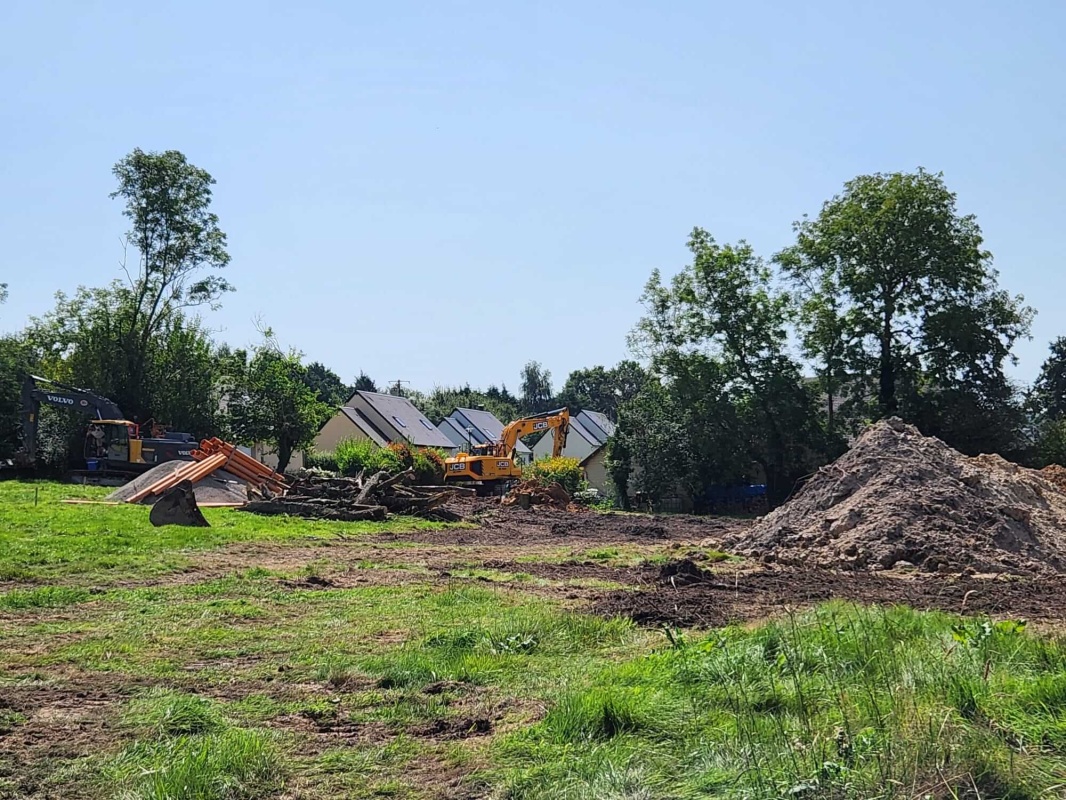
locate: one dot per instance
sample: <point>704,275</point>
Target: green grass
<point>42,539</point>
<point>165,712</point>
<point>234,764</point>
<point>229,686</point>
<point>840,702</point>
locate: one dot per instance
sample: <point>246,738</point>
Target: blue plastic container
<point>92,464</point>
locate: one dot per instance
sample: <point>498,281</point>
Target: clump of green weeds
<point>187,748</point>
<point>839,702</point>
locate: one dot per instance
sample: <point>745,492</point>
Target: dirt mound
<point>898,498</point>
<point>218,487</point>
<point>1055,474</point>
<point>681,572</point>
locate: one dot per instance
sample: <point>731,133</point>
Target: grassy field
<point>280,658</point>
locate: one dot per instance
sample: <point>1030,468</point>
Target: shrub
<point>362,455</point>
<point>404,454</point>
<point>316,460</point>
<point>429,466</point>
<point>567,472</point>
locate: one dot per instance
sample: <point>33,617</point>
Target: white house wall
<point>577,446</point>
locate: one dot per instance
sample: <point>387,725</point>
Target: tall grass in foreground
<point>839,702</point>
<point>188,751</point>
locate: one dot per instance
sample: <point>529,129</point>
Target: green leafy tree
<point>364,383</point>
<point>724,307</point>
<point>179,245</point>
<point>328,385</point>
<point>899,291</point>
<point>443,400</point>
<point>648,457</point>
<point>272,403</point>
<point>16,359</point>
<point>1046,406</point>
<point>601,389</point>
<point>536,388</point>
<point>1050,389</point>
<point>80,342</point>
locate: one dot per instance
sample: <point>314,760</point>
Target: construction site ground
<point>339,647</point>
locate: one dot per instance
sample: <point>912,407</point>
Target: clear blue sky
<point>440,192</point>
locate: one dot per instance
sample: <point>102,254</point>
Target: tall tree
<point>80,342</point>
<point>328,385</point>
<point>899,284</point>
<point>536,388</point>
<point>364,383</point>
<point>15,361</point>
<point>273,404</point>
<point>177,238</point>
<point>602,389</point>
<point>1051,383</point>
<point>649,456</point>
<point>724,307</point>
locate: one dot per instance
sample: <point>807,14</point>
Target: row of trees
<point>139,340</point>
<point>891,301</point>
<point>749,368</point>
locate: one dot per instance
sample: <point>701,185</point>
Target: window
<point>426,425</point>
<point>399,421</point>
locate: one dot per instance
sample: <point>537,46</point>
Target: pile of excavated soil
<point>218,487</point>
<point>898,498</point>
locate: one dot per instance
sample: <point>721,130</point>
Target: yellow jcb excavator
<point>491,466</point>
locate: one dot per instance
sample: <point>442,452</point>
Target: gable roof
<point>485,424</point>
<point>597,424</point>
<point>450,428</point>
<point>408,423</point>
<point>580,430</point>
<point>363,423</point>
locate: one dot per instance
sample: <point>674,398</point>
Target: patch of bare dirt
<point>510,526</point>
<point>898,498</point>
<point>712,599</point>
<point>570,570</point>
<point>58,726</point>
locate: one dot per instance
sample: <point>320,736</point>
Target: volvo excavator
<point>112,443</point>
<point>493,466</point>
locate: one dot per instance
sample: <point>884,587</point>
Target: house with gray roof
<point>383,419</point>
<point>471,426</point>
<point>589,431</point>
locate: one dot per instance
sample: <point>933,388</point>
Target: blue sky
<point>439,192</point>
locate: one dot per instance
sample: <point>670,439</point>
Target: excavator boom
<point>37,391</point>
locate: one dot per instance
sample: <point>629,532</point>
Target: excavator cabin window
<point>107,441</point>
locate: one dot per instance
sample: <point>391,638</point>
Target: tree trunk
<point>887,393</point>
<point>829,400</point>
<point>284,454</point>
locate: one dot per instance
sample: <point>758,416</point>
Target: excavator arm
<point>558,420</point>
<point>37,391</point>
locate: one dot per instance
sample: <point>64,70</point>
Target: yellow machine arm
<point>558,420</point>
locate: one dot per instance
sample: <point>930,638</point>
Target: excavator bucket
<point>178,506</point>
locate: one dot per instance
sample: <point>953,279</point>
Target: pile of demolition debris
<point>898,499</point>
<point>362,498</point>
<point>220,474</point>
